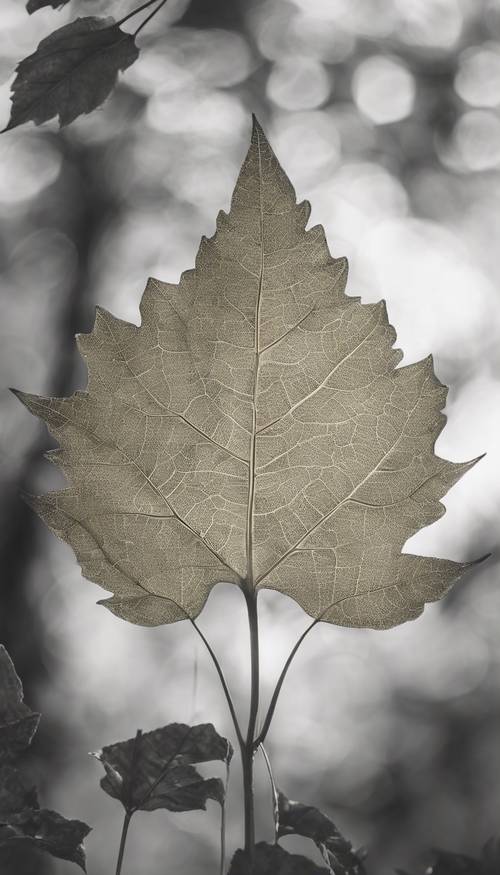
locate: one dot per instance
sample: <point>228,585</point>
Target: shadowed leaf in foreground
<point>306,820</point>
<point>72,71</point>
<point>34,5</point>
<point>254,429</point>
<point>47,831</point>
<point>22,822</point>
<point>18,723</point>
<point>154,769</point>
<point>449,863</point>
<point>273,860</point>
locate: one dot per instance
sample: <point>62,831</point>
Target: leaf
<point>22,822</point>
<point>18,723</point>
<point>47,831</point>
<point>15,793</point>
<point>254,429</point>
<point>273,860</point>
<point>306,820</point>
<point>154,769</point>
<point>73,71</point>
<point>449,863</point>
<point>34,5</point>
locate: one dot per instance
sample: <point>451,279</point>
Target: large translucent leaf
<point>253,429</point>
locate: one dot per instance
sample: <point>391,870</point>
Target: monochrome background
<point>386,116</point>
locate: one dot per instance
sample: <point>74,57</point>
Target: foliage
<point>74,68</point>
<point>295,818</point>
<point>72,71</point>
<point>253,429</point>
<point>448,863</point>
<point>34,5</point>
<point>22,821</point>
<point>154,769</point>
<point>273,860</point>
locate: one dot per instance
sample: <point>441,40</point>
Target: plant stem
<point>272,705</point>
<point>135,12</point>
<point>274,791</point>
<point>121,851</point>
<point>248,748</point>
<point>222,679</point>
<point>149,17</point>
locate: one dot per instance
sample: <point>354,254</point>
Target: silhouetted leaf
<point>154,769</point>
<point>16,793</point>
<point>22,822</point>
<point>33,5</point>
<point>254,429</point>
<point>306,820</point>
<point>72,71</point>
<point>449,863</point>
<point>18,723</point>
<point>273,860</point>
<point>47,831</point>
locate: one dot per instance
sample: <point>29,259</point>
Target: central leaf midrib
<point>251,469</point>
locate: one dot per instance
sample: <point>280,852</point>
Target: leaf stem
<point>274,791</point>
<point>223,823</point>
<point>225,687</point>
<point>248,749</point>
<point>123,839</point>
<point>140,9</point>
<point>274,700</point>
<point>135,12</point>
<point>149,17</point>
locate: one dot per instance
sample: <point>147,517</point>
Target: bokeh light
<point>384,89</point>
<point>297,83</point>
<point>476,140</point>
<point>478,76</point>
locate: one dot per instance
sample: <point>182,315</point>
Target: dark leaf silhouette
<point>273,860</point>
<point>449,863</point>
<point>72,71</point>
<point>18,723</point>
<point>22,822</point>
<point>306,820</point>
<point>34,5</point>
<point>154,769</point>
<point>47,831</point>
<point>16,793</point>
<point>254,429</point>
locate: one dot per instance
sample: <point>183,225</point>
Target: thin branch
<point>223,822</point>
<point>135,12</point>
<point>248,750</point>
<point>129,810</point>
<point>272,705</point>
<point>223,682</point>
<point>123,839</point>
<point>274,791</point>
<point>149,17</point>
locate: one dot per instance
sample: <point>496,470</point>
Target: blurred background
<point>386,116</point>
